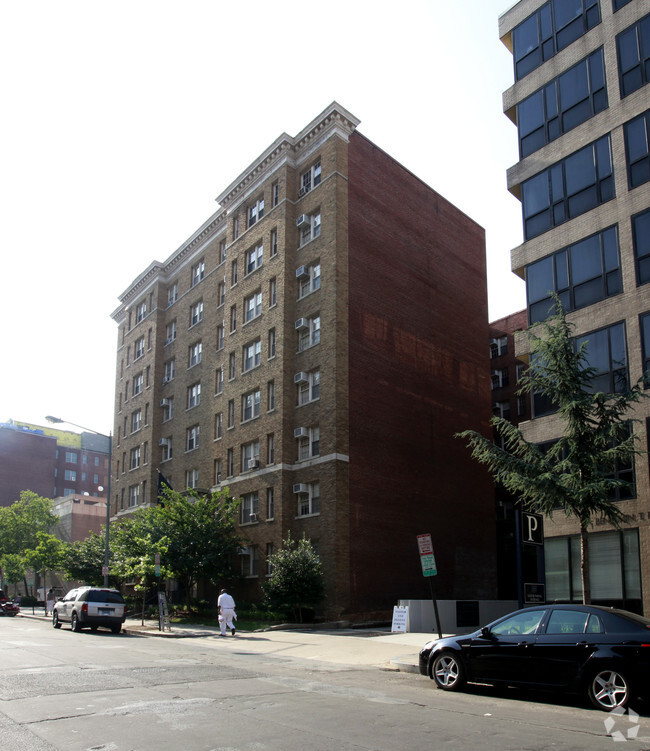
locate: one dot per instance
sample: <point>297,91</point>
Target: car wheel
<point>116,629</point>
<point>448,671</point>
<point>609,689</point>
<point>76,626</point>
<point>55,620</point>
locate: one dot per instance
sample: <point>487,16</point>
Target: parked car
<point>599,651</point>
<point>7,606</point>
<point>90,607</point>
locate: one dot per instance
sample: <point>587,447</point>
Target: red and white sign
<point>425,545</point>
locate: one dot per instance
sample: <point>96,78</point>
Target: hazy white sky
<point>123,120</point>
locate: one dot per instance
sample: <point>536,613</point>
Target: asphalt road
<point>100,692</point>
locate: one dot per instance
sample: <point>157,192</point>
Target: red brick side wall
<point>27,462</point>
<point>419,372</point>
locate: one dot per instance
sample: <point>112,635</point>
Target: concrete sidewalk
<point>342,646</point>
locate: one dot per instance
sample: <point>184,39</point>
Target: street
<point>101,692</point>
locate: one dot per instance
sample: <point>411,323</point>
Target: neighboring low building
<point>79,517</point>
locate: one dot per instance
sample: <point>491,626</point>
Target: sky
<point>123,120</point>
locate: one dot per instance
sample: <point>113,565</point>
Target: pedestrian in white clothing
<point>226,612</point>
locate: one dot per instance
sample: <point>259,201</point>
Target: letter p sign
<point>532,528</point>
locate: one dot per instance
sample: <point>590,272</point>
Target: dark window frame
<point>636,72</point>
<point>641,254</point>
<point>637,140</point>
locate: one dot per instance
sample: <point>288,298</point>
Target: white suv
<point>90,606</point>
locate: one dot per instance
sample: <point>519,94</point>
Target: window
<point>167,408</point>
<point>218,425</point>
<point>641,238</point>
<point>614,575</point>
<point>252,306</point>
<point>232,368</point>
<point>607,352</point>
<point>192,438</point>
<point>250,405</point>
<point>498,347</point>
<point>140,312</point>
<point>309,500</point>
<point>308,332</point>
<point>270,503</point>
<point>308,443</point>
<point>235,228</point>
<point>273,292</point>
<point>269,559</point>
<point>249,561</point>
<point>633,49</point>
<point>271,343</point>
<point>255,212</point>
<point>550,29</point>
<point>308,279</point>
<point>194,395</point>
<point>310,179</point>
<point>250,455</point>
<point>274,242</point>
<point>270,448</point>
<point>254,258</point>
<point>220,337</point>
<point>138,384</point>
<point>501,409</point>
<point>198,272</point>
<point>521,623</point>
<point>233,273</point>
<point>231,413</point>
<point>580,274</point>
<point>252,355</point>
<point>562,104</point>
<point>231,462</point>
<point>309,228</point>
<point>192,478</point>
<point>618,4</point>
<point>71,475</point>
<point>308,386</point>
<point>645,346</point>
<point>172,294</point>
<point>170,368</point>
<point>166,446</point>
<point>249,508</point>
<point>222,251</point>
<point>196,313</point>
<point>217,471</point>
<point>270,395</point>
<point>134,495</point>
<point>71,457</point>
<point>170,332</point>
<point>138,348</point>
<point>233,318</point>
<point>135,458</point>
<point>500,378</point>
<point>218,380</point>
<point>637,150</point>
<point>194,355</point>
<point>136,420</point>
<point>275,194</point>
<point>575,185</point>
<point>221,294</point>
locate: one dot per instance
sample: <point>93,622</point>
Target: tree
<point>21,522</point>
<point>83,560</point>
<point>577,473</point>
<point>13,566</point>
<point>296,577</point>
<point>47,555</point>
<point>200,532</point>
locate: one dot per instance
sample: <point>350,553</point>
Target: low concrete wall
<point>456,616</point>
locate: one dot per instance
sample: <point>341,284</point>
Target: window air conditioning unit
<point>303,221</point>
<point>302,192</point>
<point>164,402</point>
<point>301,487</point>
<point>252,517</point>
<point>302,323</point>
<point>301,432</point>
<point>165,380</point>
<point>163,442</point>
<point>253,463</point>
<point>302,272</point>
<point>301,377</point>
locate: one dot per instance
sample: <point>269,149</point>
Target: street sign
<point>534,594</point>
<point>532,528</point>
<point>427,558</point>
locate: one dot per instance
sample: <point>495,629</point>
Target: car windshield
<point>519,623</point>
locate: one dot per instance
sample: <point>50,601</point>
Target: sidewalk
<point>343,646</point>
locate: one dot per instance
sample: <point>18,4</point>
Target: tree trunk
<point>584,565</point>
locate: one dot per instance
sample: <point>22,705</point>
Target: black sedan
<point>575,648</point>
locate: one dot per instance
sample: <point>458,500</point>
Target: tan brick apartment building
<point>580,102</point>
<point>314,346</point>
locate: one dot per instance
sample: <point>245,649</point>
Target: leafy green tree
<point>83,560</point>
<point>576,474</point>
<point>47,555</point>
<point>13,566</point>
<point>21,522</point>
<point>199,529</point>
<point>296,577</point>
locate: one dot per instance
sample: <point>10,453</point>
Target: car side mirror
<point>485,633</point>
